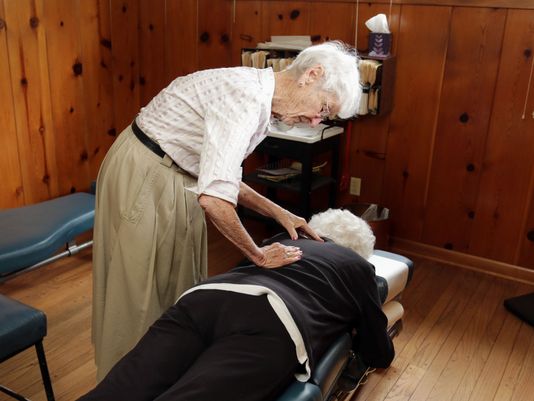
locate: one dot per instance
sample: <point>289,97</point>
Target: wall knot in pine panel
<point>77,68</point>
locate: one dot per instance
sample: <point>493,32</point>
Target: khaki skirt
<point>150,245</point>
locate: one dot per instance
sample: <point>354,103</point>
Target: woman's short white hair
<point>346,229</point>
<point>342,76</point>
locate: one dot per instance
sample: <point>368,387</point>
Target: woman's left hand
<point>292,223</point>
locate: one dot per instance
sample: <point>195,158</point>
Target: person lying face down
<point>248,333</point>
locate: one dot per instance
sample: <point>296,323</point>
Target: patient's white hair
<point>345,228</point>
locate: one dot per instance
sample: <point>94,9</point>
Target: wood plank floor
<point>458,341</point>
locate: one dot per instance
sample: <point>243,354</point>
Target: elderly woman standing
<point>181,158</point>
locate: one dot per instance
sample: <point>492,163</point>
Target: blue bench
<point>336,377</point>
<point>32,236</point>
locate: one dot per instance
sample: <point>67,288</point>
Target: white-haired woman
<point>248,333</point>
<point>182,157</point>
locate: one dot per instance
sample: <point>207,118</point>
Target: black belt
<point>149,143</point>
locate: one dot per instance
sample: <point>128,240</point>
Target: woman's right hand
<point>277,255</point>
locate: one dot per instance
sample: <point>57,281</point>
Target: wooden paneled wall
<point>454,161</point>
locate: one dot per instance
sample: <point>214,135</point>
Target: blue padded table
<point>31,236</point>
<point>393,272</point>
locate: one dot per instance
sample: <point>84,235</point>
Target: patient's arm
<point>224,217</point>
<point>372,341</point>
<point>259,203</point>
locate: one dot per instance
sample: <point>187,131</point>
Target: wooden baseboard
<point>487,266</point>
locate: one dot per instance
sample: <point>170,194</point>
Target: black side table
<point>307,182</point>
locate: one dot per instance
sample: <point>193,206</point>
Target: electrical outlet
<point>355,186</point>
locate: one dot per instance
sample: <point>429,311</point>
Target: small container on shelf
<point>379,45</point>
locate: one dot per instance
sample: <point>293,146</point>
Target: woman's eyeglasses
<point>325,111</point>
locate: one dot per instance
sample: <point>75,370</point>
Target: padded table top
<point>31,234</point>
<point>395,271</point>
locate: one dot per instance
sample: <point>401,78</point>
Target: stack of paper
<point>295,42</point>
<point>285,173</point>
<point>304,132</point>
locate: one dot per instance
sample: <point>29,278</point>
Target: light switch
<point>355,186</point>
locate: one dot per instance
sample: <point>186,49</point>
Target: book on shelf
<point>278,174</point>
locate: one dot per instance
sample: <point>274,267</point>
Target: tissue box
<point>379,44</point>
